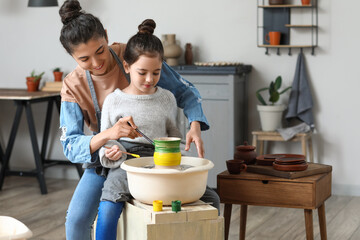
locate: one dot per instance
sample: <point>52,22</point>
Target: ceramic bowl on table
<point>268,159</point>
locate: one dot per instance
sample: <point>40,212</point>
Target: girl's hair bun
<point>147,27</point>
<point>70,10</point>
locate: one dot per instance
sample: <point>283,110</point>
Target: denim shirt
<point>76,145</point>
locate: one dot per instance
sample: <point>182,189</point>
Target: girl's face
<point>94,56</point>
<point>144,74</point>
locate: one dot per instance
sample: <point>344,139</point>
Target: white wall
<point>219,31</point>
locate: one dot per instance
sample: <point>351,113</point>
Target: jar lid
<point>245,147</point>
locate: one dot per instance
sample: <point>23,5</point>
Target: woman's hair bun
<point>147,27</point>
<point>70,10</point>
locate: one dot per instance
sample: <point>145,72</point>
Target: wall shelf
<point>300,26</point>
<point>278,18</point>
<point>285,6</point>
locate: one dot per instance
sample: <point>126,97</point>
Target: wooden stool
<point>195,221</point>
<point>307,193</point>
<point>275,136</point>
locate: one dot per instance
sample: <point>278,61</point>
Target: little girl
<point>151,108</point>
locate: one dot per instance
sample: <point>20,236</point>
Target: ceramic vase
<point>167,152</point>
<point>188,54</point>
<point>172,51</point>
<point>246,153</point>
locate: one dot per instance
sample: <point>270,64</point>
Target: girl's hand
<point>122,129</point>
<point>113,153</point>
<point>194,135</point>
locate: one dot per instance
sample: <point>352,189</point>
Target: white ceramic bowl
<point>147,185</point>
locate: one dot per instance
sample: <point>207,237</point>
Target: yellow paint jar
<point>157,205</point>
<point>167,151</point>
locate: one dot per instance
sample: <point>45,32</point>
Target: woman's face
<point>93,56</point>
<point>144,74</point>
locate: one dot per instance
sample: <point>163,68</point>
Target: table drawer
<point>267,193</point>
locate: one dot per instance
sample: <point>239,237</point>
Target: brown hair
<point>144,43</point>
<point>79,26</point>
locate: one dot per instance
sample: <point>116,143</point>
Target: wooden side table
<point>307,193</point>
<point>304,138</point>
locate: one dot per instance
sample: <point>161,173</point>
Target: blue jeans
<point>108,218</point>
<point>83,207</point>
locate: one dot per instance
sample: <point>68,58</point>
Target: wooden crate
<point>197,222</point>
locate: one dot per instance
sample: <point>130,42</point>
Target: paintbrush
<point>132,154</point>
<point>142,134</point>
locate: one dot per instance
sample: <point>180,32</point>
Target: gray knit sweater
<point>155,115</point>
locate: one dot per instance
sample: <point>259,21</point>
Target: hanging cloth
<point>300,101</point>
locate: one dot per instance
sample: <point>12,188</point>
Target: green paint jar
<point>176,206</point>
<point>167,151</point>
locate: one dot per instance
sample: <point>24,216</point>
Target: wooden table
<point>24,100</point>
<point>307,193</point>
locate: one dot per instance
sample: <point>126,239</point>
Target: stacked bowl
<point>283,162</point>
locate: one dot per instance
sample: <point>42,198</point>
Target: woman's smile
<point>99,67</point>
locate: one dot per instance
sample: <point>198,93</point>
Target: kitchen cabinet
<point>225,105</point>
<point>279,17</point>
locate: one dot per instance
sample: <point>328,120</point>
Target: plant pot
<point>58,76</point>
<point>305,2</point>
<point>32,86</point>
<point>270,116</point>
<point>276,2</point>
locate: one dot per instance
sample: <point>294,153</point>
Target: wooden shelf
<point>285,6</point>
<point>278,18</point>
<point>299,26</point>
<point>287,46</point>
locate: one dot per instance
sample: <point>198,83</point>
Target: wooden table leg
<point>227,217</point>
<point>303,146</point>
<point>311,152</point>
<point>261,147</point>
<point>243,215</point>
<point>254,142</point>
<point>322,221</point>
<point>309,224</point>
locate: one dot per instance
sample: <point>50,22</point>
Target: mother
<point>100,72</point>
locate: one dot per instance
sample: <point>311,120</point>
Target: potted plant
<point>271,114</point>
<point>33,81</point>
<point>57,74</point>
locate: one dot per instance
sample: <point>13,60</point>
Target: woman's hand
<point>122,129</point>
<point>114,153</point>
<point>194,135</point>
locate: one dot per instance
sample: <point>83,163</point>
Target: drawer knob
<point>265,181</point>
